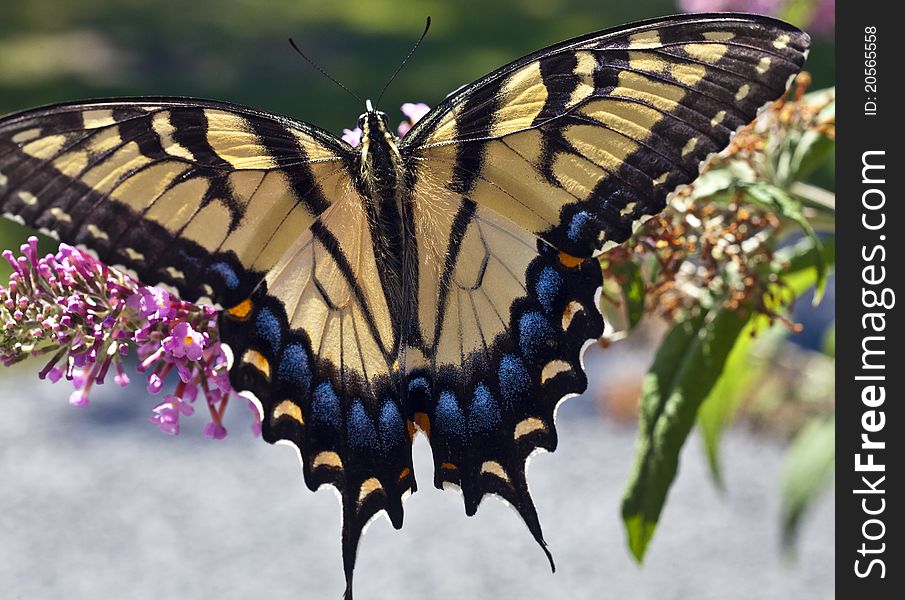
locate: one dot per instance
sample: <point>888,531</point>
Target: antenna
<point>323,72</point>
<point>427,26</point>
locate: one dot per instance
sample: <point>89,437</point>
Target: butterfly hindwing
<point>316,345</point>
<point>503,323</point>
<point>200,195</point>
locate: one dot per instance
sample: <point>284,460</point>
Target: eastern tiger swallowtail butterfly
<point>441,282</point>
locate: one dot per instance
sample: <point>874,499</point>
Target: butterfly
<point>442,282</point>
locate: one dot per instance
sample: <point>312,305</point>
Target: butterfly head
<point>373,121</point>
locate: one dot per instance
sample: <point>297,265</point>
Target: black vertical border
<point>857,133</point>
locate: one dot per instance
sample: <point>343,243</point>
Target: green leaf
<point>829,341</point>
<point>632,285</point>
<point>811,151</point>
<point>808,467</point>
<point>713,182</point>
<point>778,200</point>
<point>718,408</point>
<point>686,367</point>
<point>802,272</point>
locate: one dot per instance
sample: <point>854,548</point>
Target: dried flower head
<point>702,248</point>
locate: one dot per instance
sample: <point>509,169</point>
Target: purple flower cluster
<point>817,16</point>
<point>762,7</point>
<point>89,317</point>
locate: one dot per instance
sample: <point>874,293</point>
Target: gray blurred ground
<point>96,503</point>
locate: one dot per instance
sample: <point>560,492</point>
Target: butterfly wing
<point>317,345</point>
<point>522,177</point>
<point>504,319</point>
<point>260,214</point>
<point>200,195</point>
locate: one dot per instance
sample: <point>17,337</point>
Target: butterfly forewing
<point>199,195</point>
<point>578,141</point>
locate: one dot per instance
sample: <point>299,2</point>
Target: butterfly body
<point>382,184</point>
<point>444,282</point>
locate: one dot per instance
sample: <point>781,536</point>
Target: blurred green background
<point>236,51</point>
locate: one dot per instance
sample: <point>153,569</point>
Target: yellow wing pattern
<point>578,141</point>
<point>194,194</point>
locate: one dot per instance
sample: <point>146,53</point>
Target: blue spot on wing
<point>419,384</point>
<point>294,369</point>
<point>268,329</point>
<point>448,417</point>
<point>547,287</point>
<point>392,428</point>
<point>485,414</point>
<point>226,272</point>
<point>578,225</point>
<point>325,405</point>
<point>514,378</point>
<point>534,333</point>
<point>360,428</point>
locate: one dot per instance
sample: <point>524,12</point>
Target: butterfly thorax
<point>381,161</point>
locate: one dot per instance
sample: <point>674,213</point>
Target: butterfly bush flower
<point>88,318</point>
<point>352,136</point>
<point>413,112</point>
<point>823,20</point>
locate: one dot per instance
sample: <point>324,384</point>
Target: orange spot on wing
<point>449,467</point>
<point>567,260</point>
<point>241,310</point>
<point>424,423</point>
<point>405,473</point>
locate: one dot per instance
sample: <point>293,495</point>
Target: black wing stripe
<point>483,104</point>
<point>332,245</point>
<point>461,221</point>
<point>191,129</point>
<point>557,74</point>
<point>288,154</point>
<point>138,127</point>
